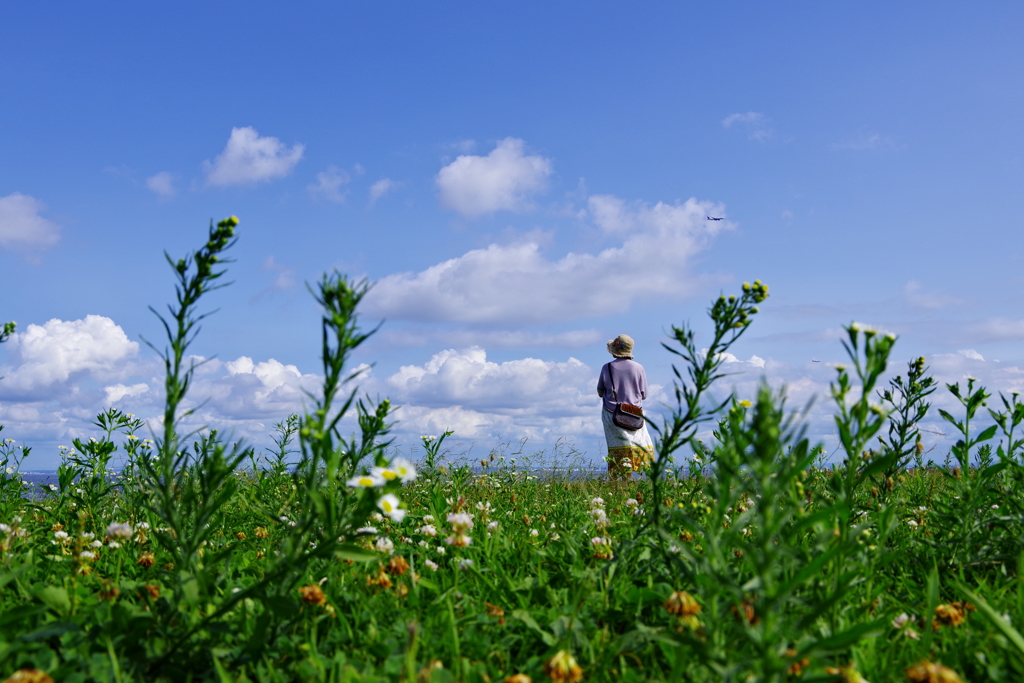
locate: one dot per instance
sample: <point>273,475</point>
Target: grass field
<point>334,559</point>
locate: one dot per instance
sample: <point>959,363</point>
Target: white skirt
<point>628,450</point>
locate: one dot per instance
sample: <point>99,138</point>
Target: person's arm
<point>600,383</point>
<point>643,383</point>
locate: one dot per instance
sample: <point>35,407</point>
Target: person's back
<point>622,380</point>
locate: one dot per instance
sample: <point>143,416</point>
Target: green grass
<point>766,565</point>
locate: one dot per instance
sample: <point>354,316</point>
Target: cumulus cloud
<point>461,377</point>
<point>503,180</point>
<point>54,352</point>
<point>246,390</point>
<point>757,125</point>
<point>479,399</point>
<point>515,284</point>
<point>162,184</point>
<point>21,226</point>
<point>249,158</point>
<point>118,392</point>
<point>380,188</point>
<point>328,185</point>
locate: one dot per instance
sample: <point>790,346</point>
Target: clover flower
<point>397,566</point>
<point>29,676</point>
<point>847,674</point>
<point>930,672</point>
<point>602,547</point>
<point>562,668</point>
<point>122,530</point>
<point>431,565</point>
<point>428,530</point>
<point>312,595</point>
<point>682,604</point>
<point>384,546</point>
<point>951,614</point>
<point>904,624</point>
<point>461,522</point>
<point>457,540</point>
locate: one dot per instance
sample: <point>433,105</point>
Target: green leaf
<point>54,597</point>
<point>51,630</point>
<point>355,553</point>
<point>524,616</point>
<point>987,434</point>
<point>1012,634</point>
<point>190,588</point>
<point>427,583</point>
<point>282,607</point>
<point>845,639</point>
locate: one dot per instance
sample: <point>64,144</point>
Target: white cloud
<point>502,180</point>
<point>757,125</point>
<point>481,399</point>
<point>246,390</point>
<point>119,392</point>
<point>162,184</point>
<point>380,188</point>
<point>21,226</point>
<point>461,377</point>
<point>328,185</point>
<point>515,284</point>
<point>249,158</point>
<point>52,353</point>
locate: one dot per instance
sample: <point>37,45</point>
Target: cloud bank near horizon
<point>60,374</point>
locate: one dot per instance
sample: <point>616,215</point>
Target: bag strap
<point>611,376</point>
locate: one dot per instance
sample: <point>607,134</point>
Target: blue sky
<point>523,182</point>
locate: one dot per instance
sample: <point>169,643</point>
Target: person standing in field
<point>623,381</point>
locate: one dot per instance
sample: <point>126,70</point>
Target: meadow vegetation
<point>746,557</point>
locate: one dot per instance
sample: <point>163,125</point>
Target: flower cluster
<point>461,523</point>
<point>398,470</point>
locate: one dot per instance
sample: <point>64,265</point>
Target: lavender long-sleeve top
<point>630,383</point>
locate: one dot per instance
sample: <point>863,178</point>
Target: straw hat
<point>621,346</point>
